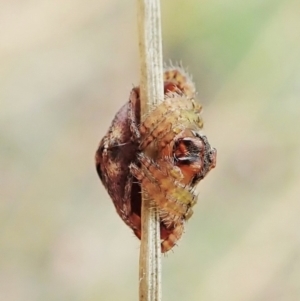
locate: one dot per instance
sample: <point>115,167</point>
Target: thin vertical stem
<point>151,92</point>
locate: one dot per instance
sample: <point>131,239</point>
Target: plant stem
<point>151,92</point>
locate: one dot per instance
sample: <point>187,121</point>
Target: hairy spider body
<point>181,157</point>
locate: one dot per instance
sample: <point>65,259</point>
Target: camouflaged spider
<point>183,157</point>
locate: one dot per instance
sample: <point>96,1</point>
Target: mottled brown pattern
<point>181,156</point>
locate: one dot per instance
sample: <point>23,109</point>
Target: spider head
<point>194,156</point>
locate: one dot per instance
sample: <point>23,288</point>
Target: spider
<point>182,157</point>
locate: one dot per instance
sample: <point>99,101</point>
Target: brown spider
<point>181,158</point>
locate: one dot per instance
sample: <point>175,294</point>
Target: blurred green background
<point>65,69</point>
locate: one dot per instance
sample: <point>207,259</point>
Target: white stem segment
<point>151,92</point>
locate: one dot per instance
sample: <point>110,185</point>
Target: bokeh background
<point>65,69</point>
